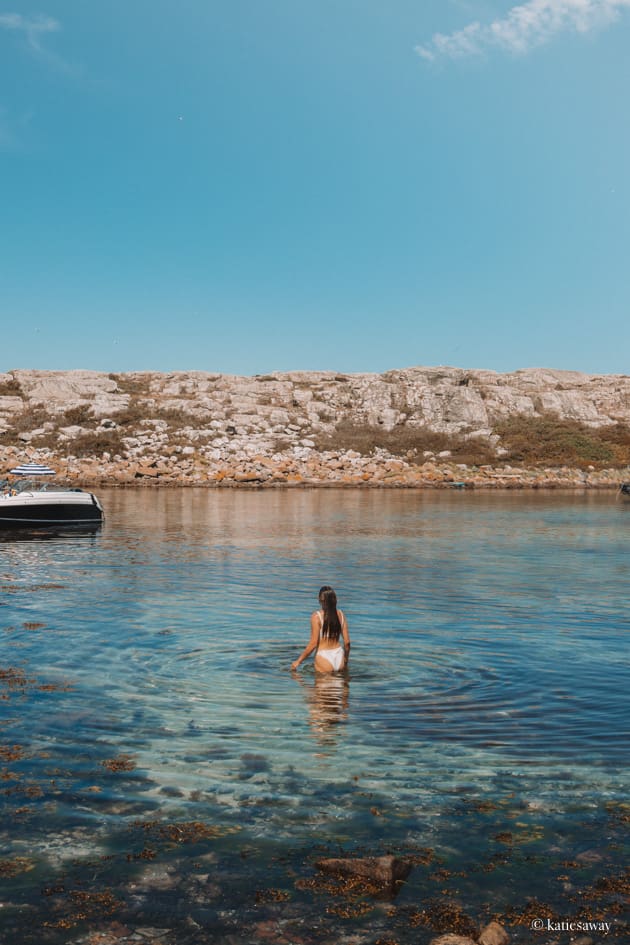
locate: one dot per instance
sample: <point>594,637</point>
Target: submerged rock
<point>383,872</point>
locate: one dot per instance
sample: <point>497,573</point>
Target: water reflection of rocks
<point>328,699</point>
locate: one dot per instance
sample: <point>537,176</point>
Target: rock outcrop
<point>314,427</point>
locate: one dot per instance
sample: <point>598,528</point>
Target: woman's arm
<point>346,638</point>
<point>312,643</point>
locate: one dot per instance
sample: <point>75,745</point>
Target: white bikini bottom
<point>335,656</point>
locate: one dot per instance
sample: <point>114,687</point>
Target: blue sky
<point>255,185</point>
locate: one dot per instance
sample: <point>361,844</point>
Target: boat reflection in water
<point>49,532</point>
<point>29,501</point>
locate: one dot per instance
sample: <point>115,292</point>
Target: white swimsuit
<point>335,655</point>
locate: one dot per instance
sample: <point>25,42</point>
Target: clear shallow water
<point>489,673</point>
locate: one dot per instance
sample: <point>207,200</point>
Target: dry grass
<point>530,441</point>
<point>96,443</point>
<point>548,440</point>
<point>79,416</point>
<point>138,411</point>
<point>10,388</point>
<point>404,440</point>
<point>133,414</point>
<point>92,441</point>
<point>131,385</point>
<point>177,417</point>
<point>30,418</point>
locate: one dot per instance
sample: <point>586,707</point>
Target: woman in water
<point>327,626</point>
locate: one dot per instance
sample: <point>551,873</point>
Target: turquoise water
<point>150,686</point>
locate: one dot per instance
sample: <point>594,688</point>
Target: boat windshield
<point>29,485</point>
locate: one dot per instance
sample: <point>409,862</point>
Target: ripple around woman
<point>327,626</point>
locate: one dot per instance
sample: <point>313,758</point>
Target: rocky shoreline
<point>411,428</point>
<point>304,467</point>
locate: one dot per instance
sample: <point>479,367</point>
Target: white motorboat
<point>32,501</point>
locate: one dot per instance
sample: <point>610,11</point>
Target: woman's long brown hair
<point>331,626</point>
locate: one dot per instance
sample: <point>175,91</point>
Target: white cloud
<point>32,28</point>
<point>524,27</point>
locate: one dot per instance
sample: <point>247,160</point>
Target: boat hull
<point>40,509</point>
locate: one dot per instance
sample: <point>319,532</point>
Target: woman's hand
<point>294,666</point>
